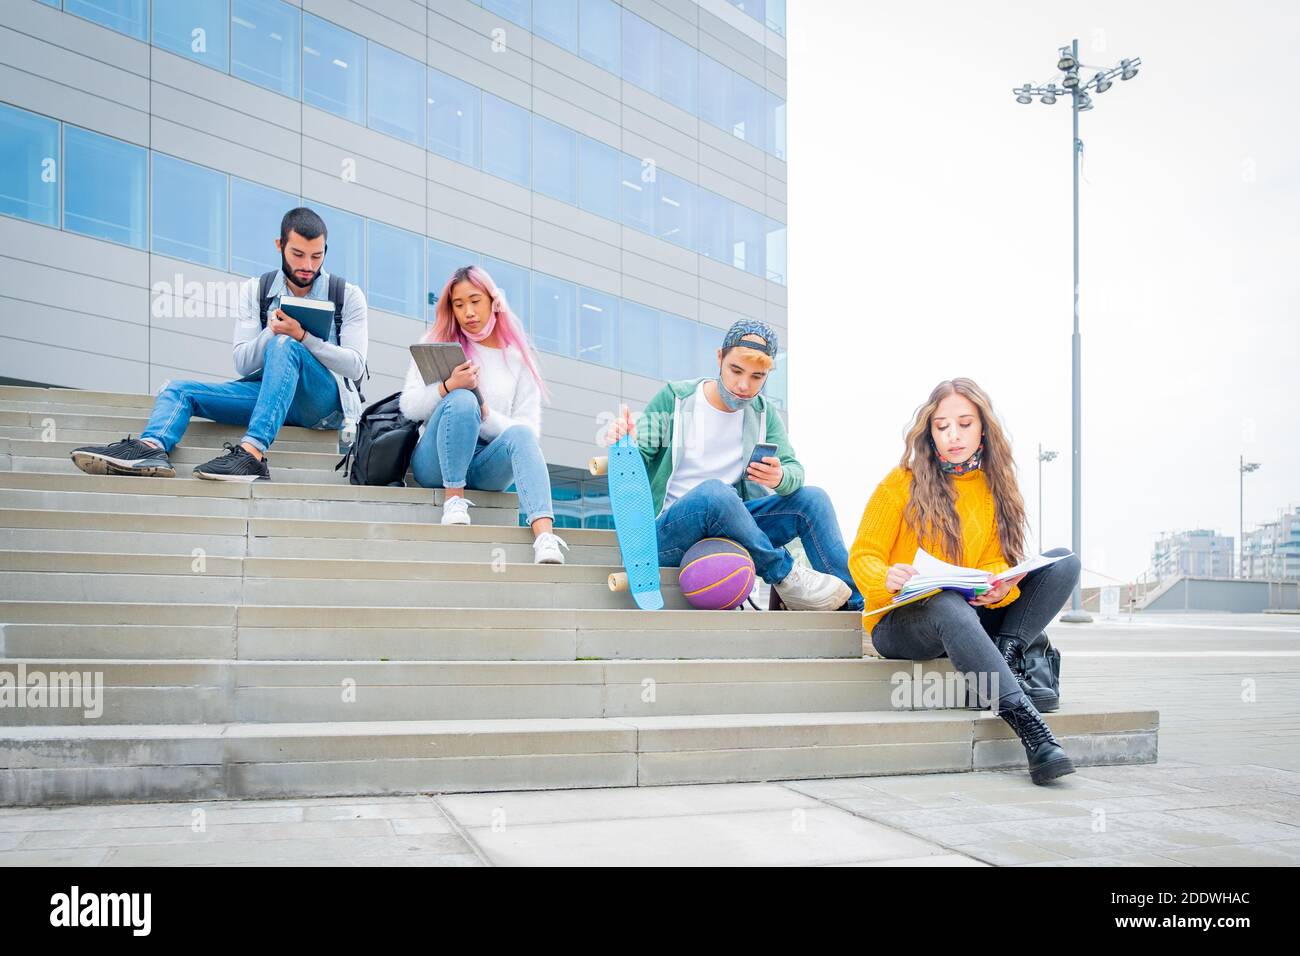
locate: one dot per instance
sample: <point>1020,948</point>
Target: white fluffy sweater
<point>507,386</point>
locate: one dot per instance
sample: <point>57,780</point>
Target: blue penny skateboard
<point>634,523</point>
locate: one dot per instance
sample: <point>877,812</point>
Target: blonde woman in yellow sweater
<point>955,494</point>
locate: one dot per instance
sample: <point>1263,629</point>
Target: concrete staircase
<point>305,637</point>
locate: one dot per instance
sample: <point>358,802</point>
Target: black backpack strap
<point>264,300</point>
<point>337,289</point>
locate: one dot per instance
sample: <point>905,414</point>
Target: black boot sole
<point>1051,770</point>
<point>1045,705</point>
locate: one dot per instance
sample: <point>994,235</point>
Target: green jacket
<point>657,435</point>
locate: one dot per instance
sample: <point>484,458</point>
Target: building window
<point>597,327</point>
<point>189,211</point>
<point>675,210</point>
<point>598,178</point>
<point>639,334</point>
<point>679,354</point>
<point>255,214</point>
<point>266,44</point>
<point>749,240</point>
<point>775,251</point>
<point>453,118</point>
<point>512,281</point>
<point>125,16</point>
<point>639,193</point>
<point>333,69</point>
<point>555,160</point>
<point>443,261</point>
<point>557,21</point>
<point>394,104</point>
<point>516,11</point>
<point>505,139</point>
<point>346,239</point>
<point>640,52</point>
<point>775,125</point>
<point>105,192</point>
<point>395,279</point>
<point>713,234</point>
<point>678,70</point>
<point>599,35</point>
<point>29,166</point>
<point>554,311</point>
<point>196,29</point>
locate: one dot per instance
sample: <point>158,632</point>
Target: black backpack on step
<point>381,452</point>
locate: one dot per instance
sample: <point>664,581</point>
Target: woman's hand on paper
<point>996,593</point>
<point>897,576</point>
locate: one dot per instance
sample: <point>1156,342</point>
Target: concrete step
<point>74,491</point>
<point>81,428</point>
<point>52,765</point>
<point>137,533</point>
<point>207,692</point>
<point>54,457</point>
<point>35,397</point>
<point>210,579</point>
<point>189,631</point>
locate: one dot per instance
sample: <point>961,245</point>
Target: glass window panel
<point>598,178</point>
<point>640,52</point>
<point>775,251</point>
<point>638,194</point>
<point>715,89</point>
<point>29,166</point>
<point>639,334</point>
<point>745,110</point>
<point>675,209</point>
<point>333,69</point>
<point>598,327</point>
<point>443,261</point>
<point>599,33</point>
<point>125,16</point>
<point>255,214</point>
<point>453,118</point>
<point>557,21</point>
<point>51,3</point>
<point>505,131</point>
<point>749,239</point>
<point>554,312</point>
<point>555,160</point>
<point>516,11</point>
<point>512,280</point>
<point>104,191</point>
<point>266,44</point>
<point>345,236</point>
<point>775,125</point>
<point>708,339</point>
<point>679,355</point>
<point>395,278</point>
<point>776,16</point>
<point>189,211</point>
<point>678,69</point>
<point>713,226</point>
<point>393,84</point>
<point>197,29</point>
<point>777,386</point>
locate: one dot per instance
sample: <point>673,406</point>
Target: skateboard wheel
<point>599,466</point>
<point>618,581</point>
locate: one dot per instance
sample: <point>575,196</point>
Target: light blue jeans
<point>450,454</point>
<point>294,389</point>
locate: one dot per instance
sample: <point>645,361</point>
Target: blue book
<point>314,315</point>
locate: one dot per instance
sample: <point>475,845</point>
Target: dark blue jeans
<point>946,625</point>
<point>763,526</point>
<point>294,388</point>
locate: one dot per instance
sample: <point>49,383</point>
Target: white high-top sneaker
<point>456,510</point>
<point>546,548</point>
<point>804,589</point>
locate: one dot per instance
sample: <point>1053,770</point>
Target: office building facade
<point>1200,553</point>
<point>619,168</point>
<point>1272,551</point>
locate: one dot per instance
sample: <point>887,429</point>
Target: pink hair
<point>509,330</point>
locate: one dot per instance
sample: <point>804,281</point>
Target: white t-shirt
<point>712,447</point>
<point>506,384</point>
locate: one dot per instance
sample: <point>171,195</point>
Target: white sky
<point>930,236</point>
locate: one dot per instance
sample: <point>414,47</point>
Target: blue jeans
<point>946,625</point>
<point>294,389</point>
<point>450,454</point>
<point>762,526</point>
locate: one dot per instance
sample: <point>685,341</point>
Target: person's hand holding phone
<point>767,472</point>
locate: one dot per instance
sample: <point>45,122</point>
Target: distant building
<point>1273,549</point>
<point>1202,553</point>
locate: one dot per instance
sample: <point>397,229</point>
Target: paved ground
<point>1226,791</point>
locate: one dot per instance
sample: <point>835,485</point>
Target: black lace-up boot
<point>1047,760</point>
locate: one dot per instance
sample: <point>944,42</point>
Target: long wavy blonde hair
<point>931,511</point>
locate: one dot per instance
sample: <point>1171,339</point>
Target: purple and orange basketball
<point>716,574</point>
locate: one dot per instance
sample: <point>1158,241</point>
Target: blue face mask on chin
<point>734,402</point>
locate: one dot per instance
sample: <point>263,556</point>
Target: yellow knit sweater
<point>885,539</point>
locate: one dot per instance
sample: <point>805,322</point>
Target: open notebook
<point>934,576</point>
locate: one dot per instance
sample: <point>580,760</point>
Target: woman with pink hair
<point>485,446</point>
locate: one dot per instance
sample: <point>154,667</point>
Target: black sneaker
<point>130,456</point>
<point>237,464</point>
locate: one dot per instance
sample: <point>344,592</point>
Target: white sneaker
<point>456,510</point>
<point>546,548</point>
<point>804,589</point>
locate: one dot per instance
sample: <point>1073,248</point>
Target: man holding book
<point>289,374</point>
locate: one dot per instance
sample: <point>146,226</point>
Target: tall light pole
<point>1243,469</point>
<point>1042,457</point>
<point>1080,100</point>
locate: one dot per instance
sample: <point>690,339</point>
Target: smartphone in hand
<point>763,450</point>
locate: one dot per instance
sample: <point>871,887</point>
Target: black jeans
<point>946,625</point>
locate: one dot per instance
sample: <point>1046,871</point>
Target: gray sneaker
<point>804,589</point>
<point>130,456</point>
